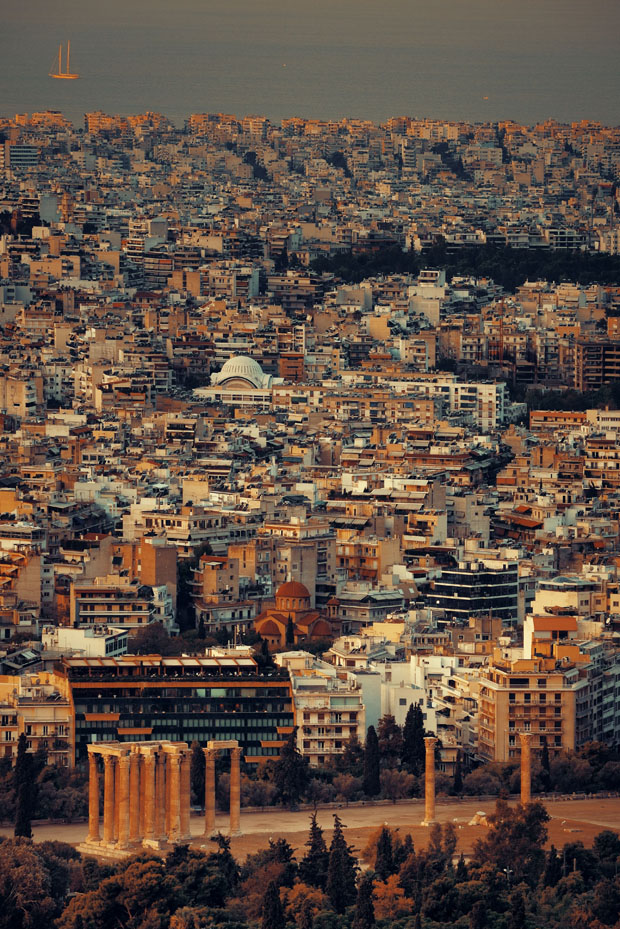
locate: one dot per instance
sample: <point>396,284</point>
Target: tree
<point>516,919</point>
<point>457,785</point>
<point>340,886</point>
<point>390,900</point>
<point>413,739</point>
<point>515,840</point>
<point>478,916</point>
<point>352,757</point>
<point>390,739</point>
<point>364,910</point>
<point>25,789</point>
<point>290,631</point>
<point>273,913</point>
<point>384,862</point>
<point>291,772</point>
<point>396,784</point>
<point>372,782</point>
<point>553,868</point>
<point>197,774</point>
<point>346,786</point>
<point>313,866</point>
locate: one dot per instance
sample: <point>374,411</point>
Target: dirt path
<point>571,821</point>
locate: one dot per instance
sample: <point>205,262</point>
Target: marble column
<point>429,781</point>
<point>123,801</point>
<point>526,767</point>
<point>135,826</point>
<point>149,797</point>
<point>235,790</point>
<point>108,800</point>
<point>186,796</point>
<point>209,792</point>
<point>160,797</point>
<point>173,763</point>
<point>93,799</point>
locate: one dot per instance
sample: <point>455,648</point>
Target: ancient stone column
<point>93,799</point>
<point>123,801</point>
<point>173,763</point>
<point>135,826</point>
<point>160,797</point>
<point>235,790</point>
<point>186,798</point>
<point>149,798</point>
<point>429,781</point>
<point>209,792</point>
<point>117,791</point>
<point>526,767</point>
<point>108,800</point>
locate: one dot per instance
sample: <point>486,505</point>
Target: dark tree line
<point>509,267</point>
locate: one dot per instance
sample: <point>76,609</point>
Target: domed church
<point>292,603</point>
<point>241,371</point>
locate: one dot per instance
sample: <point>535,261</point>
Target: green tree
<point>457,784</point>
<point>290,632</point>
<point>413,739</point>
<point>313,866</point>
<point>364,910</point>
<point>197,774</point>
<point>515,840</point>
<point>25,789</point>
<point>273,913</point>
<point>372,781</point>
<point>553,868</point>
<point>396,784</point>
<point>290,772</point>
<point>384,861</point>
<point>352,758</point>
<point>516,918</point>
<point>390,737</point>
<point>606,902</point>
<point>341,867</point>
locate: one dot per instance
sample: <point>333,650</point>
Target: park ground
<point>572,820</point>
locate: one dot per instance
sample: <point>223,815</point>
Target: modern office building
<point>478,586</point>
<point>146,697</point>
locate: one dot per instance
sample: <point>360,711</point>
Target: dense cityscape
<point>310,448</point>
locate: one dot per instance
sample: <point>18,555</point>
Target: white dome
<point>244,367</point>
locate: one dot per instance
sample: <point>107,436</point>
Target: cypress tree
<point>364,909</point>
<point>461,874</point>
<point>413,739</point>
<point>23,780</point>
<point>340,887</point>
<point>372,783</point>
<point>313,866</point>
<point>384,862</point>
<point>553,868</point>
<point>290,631</point>
<point>291,772</point>
<point>457,786</point>
<point>273,914</point>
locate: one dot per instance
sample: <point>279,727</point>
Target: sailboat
<point>59,74</point>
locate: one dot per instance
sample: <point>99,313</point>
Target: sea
<point>473,60</point>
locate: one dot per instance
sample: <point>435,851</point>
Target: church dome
<point>242,368</point>
<point>292,589</point>
<point>292,596</point>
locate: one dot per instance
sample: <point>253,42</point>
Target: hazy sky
<point>426,57</point>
